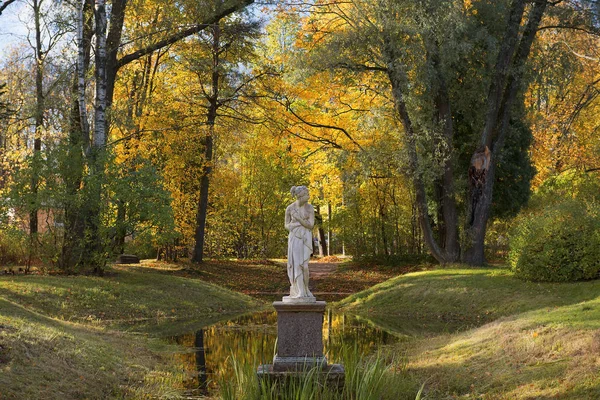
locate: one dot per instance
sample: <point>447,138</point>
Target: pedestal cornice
<point>317,306</point>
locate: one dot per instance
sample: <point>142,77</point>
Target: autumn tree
<point>221,83</point>
<point>442,67</point>
<point>110,56</point>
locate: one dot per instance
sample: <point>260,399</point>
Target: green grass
<point>125,296</point>
<point>62,337</point>
<point>41,357</point>
<point>483,334</point>
<point>366,378</point>
<point>468,333</point>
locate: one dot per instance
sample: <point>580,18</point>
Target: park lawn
<point>483,334</point>
<point>64,336</point>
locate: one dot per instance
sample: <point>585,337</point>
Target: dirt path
<point>319,270</point>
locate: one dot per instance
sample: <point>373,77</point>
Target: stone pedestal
<point>299,335</point>
<point>300,343</point>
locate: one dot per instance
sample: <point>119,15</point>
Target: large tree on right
<point>455,73</point>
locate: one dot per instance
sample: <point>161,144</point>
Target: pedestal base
<point>299,333</point>
<point>330,375</point>
<point>281,364</point>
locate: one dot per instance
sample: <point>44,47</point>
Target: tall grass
<point>372,378</point>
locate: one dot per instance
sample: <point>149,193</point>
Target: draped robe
<point>299,252</point>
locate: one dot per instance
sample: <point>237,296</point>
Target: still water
<point>250,339</point>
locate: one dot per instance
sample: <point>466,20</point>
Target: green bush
<point>13,246</point>
<point>559,243</point>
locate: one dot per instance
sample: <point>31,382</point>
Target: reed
<point>377,377</point>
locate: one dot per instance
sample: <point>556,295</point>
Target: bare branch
<point>359,67</point>
<point>5,4</point>
<point>318,125</point>
<point>183,34</point>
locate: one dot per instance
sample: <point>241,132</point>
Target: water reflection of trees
<point>251,340</point>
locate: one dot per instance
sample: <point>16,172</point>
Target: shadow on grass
<point>51,359</point>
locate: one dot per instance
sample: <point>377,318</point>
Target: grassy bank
<point>61,337</point>
<point>482,334</point>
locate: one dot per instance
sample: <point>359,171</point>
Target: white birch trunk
<point>100,112</point>
<point>83,118</point>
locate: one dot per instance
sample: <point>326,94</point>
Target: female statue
<point>299,221</point>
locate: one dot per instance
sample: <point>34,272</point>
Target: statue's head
<point>299,192</point>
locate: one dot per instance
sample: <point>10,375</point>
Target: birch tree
<point>107,63</point>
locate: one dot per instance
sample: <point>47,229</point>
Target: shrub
<point>559,243</point>
<point>13,246</point>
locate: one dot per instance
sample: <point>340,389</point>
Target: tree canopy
<point>175,129</point>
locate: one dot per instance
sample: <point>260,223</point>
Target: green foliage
<point>249,204</point>
<point>13,245</point>
<point>140,208</point>
<point>514,171</point>
<point>559,244</point>
<point>375,219</point>
<point>558,237</point>
<point>47,201</point>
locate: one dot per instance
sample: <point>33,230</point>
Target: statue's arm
<point>288,219</point>
<point>310,222</point>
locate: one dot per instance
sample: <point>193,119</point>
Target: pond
<point>250,339</point>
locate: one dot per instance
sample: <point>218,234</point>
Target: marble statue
<point>299,221</point>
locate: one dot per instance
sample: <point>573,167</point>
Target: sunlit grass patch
<point>56,332</point>
<point>123,296</point>
<point>533,341</point>
<point>510,359</point>
<point>449,300</point>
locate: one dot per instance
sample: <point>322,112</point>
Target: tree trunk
<point>213,101</point>
<point>481,176</point>
<point>384,239</point>
<point>121,228</point>
<point>94,252</point>
<point>329,229</point>
<point>201,361</point>
<point>79,138</point>
<point>100,122</point>
<point>113,41</point>
<point>39,121</point>
<point>448,201</point>
<point>396,76</point>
